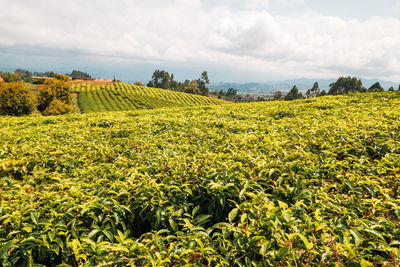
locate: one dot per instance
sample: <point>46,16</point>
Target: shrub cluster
<point>57,107</point>
<point>15,99</point>
<point>55,96</point>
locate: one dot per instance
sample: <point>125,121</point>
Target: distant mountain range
<point>303,84</point>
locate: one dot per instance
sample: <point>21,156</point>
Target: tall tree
<point>345,85</point>
<point>294,94</point>
<point>202,83</point>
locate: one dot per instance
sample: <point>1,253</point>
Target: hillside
<point>123,96</point>
<point>302,183</point>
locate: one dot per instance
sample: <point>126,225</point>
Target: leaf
<point>33,217</point>
<point>108,234</point>
<point>5,247</point>
<point>374,232</point>
<point>282,252</point>
<point>201,219</point>
<point>309,245</point>
<point>357,236</point>
<point>173,224</point>
<point>232,214</point>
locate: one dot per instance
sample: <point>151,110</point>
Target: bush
<point>53,89</point>
<point>10,77</point>
<point>62,77</point>
<point>15,99</point>
<point>57,107</point>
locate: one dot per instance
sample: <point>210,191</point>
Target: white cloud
<point>251,39</point>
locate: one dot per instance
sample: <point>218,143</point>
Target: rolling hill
<point>123,96</point>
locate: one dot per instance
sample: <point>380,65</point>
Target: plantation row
<point>122,96</point>
<point>303,183</point>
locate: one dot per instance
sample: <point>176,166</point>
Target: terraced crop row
<point>122,96</point>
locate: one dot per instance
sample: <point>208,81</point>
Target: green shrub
<point>53,89</point>
<point>62,77</point>
<point>57,107</point>
<point>10,77</point>
<point>15,99</point>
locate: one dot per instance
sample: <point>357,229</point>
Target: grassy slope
<point>314,181</point>
<point>122,96</point>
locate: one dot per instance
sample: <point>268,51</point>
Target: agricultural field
<point>123,96</point>
<point>311,182</point>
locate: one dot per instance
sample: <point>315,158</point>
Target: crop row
<point>124,96</point>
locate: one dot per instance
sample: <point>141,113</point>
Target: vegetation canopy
<point>15,99</point>
<point>306,182</point>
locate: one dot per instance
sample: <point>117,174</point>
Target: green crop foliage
<point>302,183</point>
<point>122,96</point>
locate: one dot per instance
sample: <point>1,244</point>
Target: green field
<point>310,182</point>
<point>123,96</point>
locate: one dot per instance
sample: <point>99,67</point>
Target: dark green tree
<point>25,75</point>
<point>77,74</point>
<point>294,94</point>
<point>376,87</point>
<point>160,79</point>
<point>391,89</point>
<point>202,84</point>
<point>314,91</point>
<point>345,85</point>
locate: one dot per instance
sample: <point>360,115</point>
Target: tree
<point>25,75</point>
<point>15,99</point>
<point>314,91</point>
<point>160,79</point>
<point>391,89</point>
<point>323,93</point>
<point>231,93</point>
<point>53,89</point>
<point>376,87</point>
<point>10,77</point>
<point>345,85</point>
<point>293,94</point>
<point>191,88</point>
<point>202,84</point>
<point>76,74</point>
<point>398,88</point>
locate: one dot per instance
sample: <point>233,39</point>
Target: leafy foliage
<point>124,96</point>
<point>345,85</point>
<point>309,182</point>
<point>294,94</point>
<point>58,107</point>
<point>10,77</point>
<point>15,99</point>
<point>76,74</point>
<point>53,89</point>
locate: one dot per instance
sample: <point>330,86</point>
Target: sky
<point>235,41</point>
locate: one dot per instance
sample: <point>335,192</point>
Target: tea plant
<point>124,96</point>
<point>310,182</point>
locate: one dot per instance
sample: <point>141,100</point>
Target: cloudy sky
<point>235,41</point>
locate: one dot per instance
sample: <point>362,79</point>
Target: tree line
<point>163,79</point>
<point>26,76</point>
<point>343,85</point>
